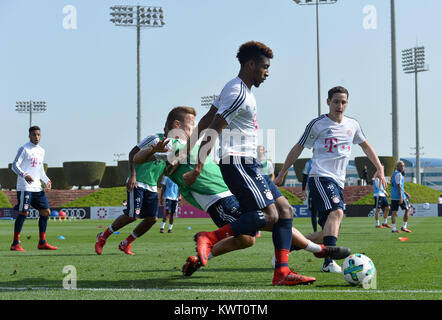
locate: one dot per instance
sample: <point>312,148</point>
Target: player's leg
<point>173,209</point>
<point>128,216</point>
<point>149,213</point>
<point>22,208</point>
<point>386,212</point>
<point>40,202</point>
<point>394,210</point>
<point>328,198</point>
<point>222,212</point>
<point>407,209</point>
<point>166,213</point>
<point>377,206</point>
<point>42,225</point>
<point>240,180</point>
<point>314,214</point>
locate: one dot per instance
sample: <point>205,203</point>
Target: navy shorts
<point>326,196</point>
<point>224,211</point>
<point>171,205</point>
<point>26,199</point>
<point>141,203</point>
<point>404,206</point>
<point>381,202</point>
<point>253,190</point>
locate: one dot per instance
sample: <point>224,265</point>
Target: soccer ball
<point>359,270</point>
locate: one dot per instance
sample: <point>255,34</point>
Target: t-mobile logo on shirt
<point>331,143</point>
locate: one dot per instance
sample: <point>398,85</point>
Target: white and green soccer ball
<point>359,270</point>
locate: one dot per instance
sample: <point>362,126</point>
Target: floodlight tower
<point>139,17</point>
<point>413,61</point>
<point>207,101</point>
<point>31,107</point>
<point>316,3</point>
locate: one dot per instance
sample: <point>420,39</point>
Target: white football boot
<point>332,267</point>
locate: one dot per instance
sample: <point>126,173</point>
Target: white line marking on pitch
<point>219,290</point>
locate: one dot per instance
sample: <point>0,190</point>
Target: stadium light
<point>138,17</point>
<point>31,107</point>
<point>207,101</point>
<point>413,61</point>
<point>317,3</point>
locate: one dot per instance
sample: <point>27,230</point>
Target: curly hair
<point>253,50</point>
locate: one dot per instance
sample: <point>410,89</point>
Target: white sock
<point>385,221</point>
<point>162,225</point>
<point>404,225</point>
<point>377,222</point>
<point>313,247</point>
<point>393,227</point>
<point>170,226</point>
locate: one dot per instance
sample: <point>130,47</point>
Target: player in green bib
<point>209,192</point>
<point>142,198</point>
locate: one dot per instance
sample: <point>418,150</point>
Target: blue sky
<point>87,75</point>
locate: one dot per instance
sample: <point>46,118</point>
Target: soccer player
<point>399,198</point>
<point>142,199</point>
<point>332,136</point>
<point>380,203</point>
<point>266,166</point>
<point>234,116</point>
<point>209,192</point>
<point>169,197</point>
<point>28,165</point>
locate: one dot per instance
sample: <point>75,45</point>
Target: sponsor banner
<point>98,213</point>
<point>190,212</point>
<point>71,213</point>
<point>301,211</point>
<point>421,210</point>
<point>417,210</point>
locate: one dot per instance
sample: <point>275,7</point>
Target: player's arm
<point>45,178</point>
<point>148,154</point>
<point>132,181</point>
<point>291,158</point>
<point>373,157</point>
<point>16,166</point>
<point>208,141</point>
<point>203,124</point>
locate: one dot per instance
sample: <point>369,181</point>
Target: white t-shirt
<point>237,105</point>
<point>206,200</point>
<point>332,143</point>
<point>29,161</point>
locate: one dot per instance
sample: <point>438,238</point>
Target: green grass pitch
<point>410,270</point>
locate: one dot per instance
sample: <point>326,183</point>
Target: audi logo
<point>78,213</point>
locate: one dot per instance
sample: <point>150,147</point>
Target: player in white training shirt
<point>233,116</point>
<point>28,165</point>
<point>332,136</point>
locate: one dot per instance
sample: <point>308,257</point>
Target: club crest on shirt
<point>335,199</point>
<point>268,194</point>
